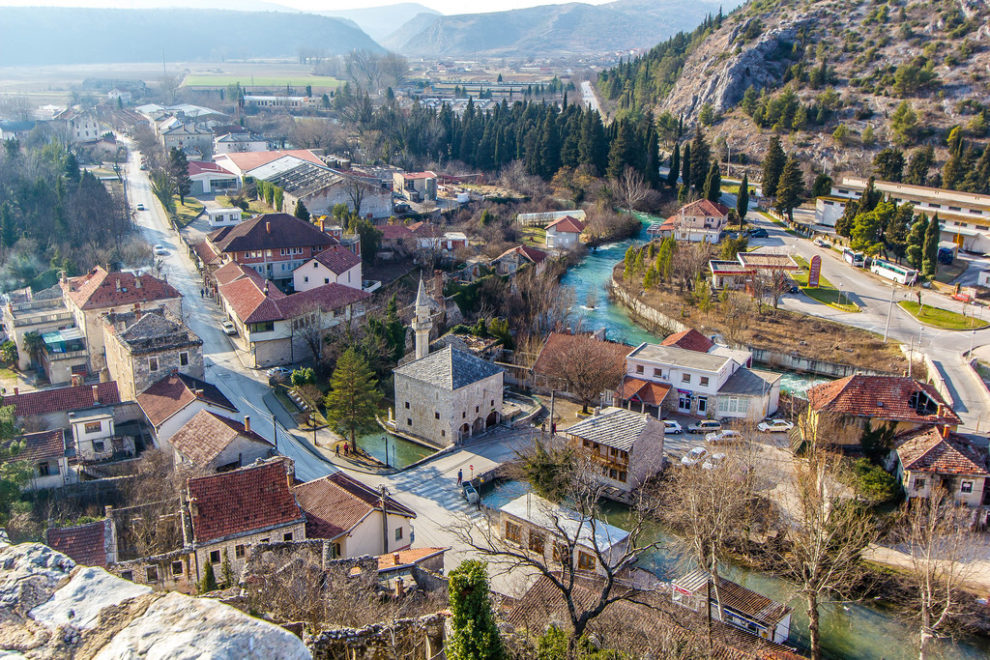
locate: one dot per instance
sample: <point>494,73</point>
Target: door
<point>684,403</point>
<point>702,405</point>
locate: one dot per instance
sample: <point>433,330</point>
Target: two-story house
<point>99,292</point>
<point>273,244</point>
<point>335,265</point>
<point>50,409</point>
<point>215,443</point>
<point>623,448</point>
<point>47,455</point>
<point>142,346</point>
<point>38,312</point>
<point>238,143</point>
<point>701,221</point>
<point>415,186</point>
<point>564,234</point>
<point>510,261</point>
<point>177,398</point>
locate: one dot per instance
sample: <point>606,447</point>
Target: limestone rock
<point>81,600</point>
<point>29,575</point>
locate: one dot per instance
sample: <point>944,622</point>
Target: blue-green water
<point>849,630</point>
<point>399,452</point>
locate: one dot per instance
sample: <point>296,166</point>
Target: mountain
<point>548,30</point>
<point>49,35</point>
<point>379,22</point>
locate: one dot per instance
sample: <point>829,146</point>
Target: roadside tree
<point>353,400</point>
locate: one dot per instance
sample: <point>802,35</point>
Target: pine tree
<point>915,251</point>
<point>226,571</point>
<point>920,162</point>
<point>208,582</point>
<point>474,633</point>
<point>301,211</point>
<point>686,168</point>
<point>790,190</point>
<point>742,199</point>
<point>888,165</point>
<point>622,145</point>
<point>353,400</point>
<point>713,184</point>
<point>773,166</point>
<point>929,263</point>
<point>675,166</point>
<point>700,155</point>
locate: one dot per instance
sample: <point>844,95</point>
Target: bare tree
<point>169,86</point>
<point>760,285</point>
<point>630,189</point>
<point>935,532</point>
<point>586,368</point>
<point>356,190</point>
<point>778,283</point>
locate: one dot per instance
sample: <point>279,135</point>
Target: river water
<point>849,630</point>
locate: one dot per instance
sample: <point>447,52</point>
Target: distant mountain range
<point>568,29</point>
<point>57,35</point>
<point>380,22</point>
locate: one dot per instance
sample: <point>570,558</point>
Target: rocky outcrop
<point>51,608</point>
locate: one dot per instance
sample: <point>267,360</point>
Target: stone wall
<point>653,319</point>
<point>418,639</point>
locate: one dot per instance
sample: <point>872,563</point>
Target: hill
<point>548,30</point>
<point>380,22</point>
<point>50,35</point>
<point>839,81</point>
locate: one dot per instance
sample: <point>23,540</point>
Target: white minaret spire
<point>422,324</point>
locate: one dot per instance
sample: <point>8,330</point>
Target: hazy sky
<point>444,6</point>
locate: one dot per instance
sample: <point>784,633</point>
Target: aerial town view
<point>598,330</point>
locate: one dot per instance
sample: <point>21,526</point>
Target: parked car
<point>705,426</point>
<point>794,289</point>
<point>713,461</point>
<point>229,328</point>
<point>758,232</point>
<point>822,243</point>
<point>724,437</point>
<point>695,456</point>
<point>140,207</point>
<point>470,493</point>
<point>277,372</point>
<point>774,426</point>
<point>160,250</point>
<point>672,427</point>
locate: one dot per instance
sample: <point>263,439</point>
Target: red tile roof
<point>558,343</point>
<point>395,232</point>
<point>173,393</point>
<point>650,393</point>
<point>62,399</point>
<point>531,254</point>
<point>41,446</point>
<point>207,167</point>
<point>690,339</point>
<point>704,207</point>
<point>202,438</point>
<point>98,289</point>
<point>927,450</point>
<point>419,175</point>
<point>338,259</point>
<point>205,252</point>
<point>891,398</point>
<point>247,297</point>
<point>270,231</point>
<point>249,160</point>
<point>242,501</point>
<point>567,224</point>
<point>84,544</point>
<point>334,504</point>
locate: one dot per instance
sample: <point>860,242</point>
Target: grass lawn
<point>254,206</point>
<point>781,224</point>
<point>218,80</point>
<point>187,212</point>
<point>825,293</point>
<point>534,236</point>
<point>941,318</point>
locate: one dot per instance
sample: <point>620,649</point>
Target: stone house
<point>48,456</point>
<point>348,513</point>
<point>43,410</point>
<point>517,257</point>
<point>177,398</point>
<point>622,448</point>
<point>99,292</point>
<point>415,186</point>
<point>564,234</point>
<point>92,544</point>
<point>95,433</point>
<point>141,346</point>
<point>335,265</point>
<point>213,443</point>
<point>79,125</point>
<point>64,355</point>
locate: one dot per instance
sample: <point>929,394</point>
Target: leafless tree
<point>315,133</point>
<point>538,303</point>
<point>587,368</point>
<point>778,283</point>
<point>356,190</point>
<point>760,285</point>
<point>935,532</point>
<point>17,107</point>
<point>736,310</point>
<point>394,69</point>
<point>630,189</point>
<point>169,87</point>
<point>689,261</point>
<point>364,68</point>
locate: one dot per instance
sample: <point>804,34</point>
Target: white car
<point>724,437</point>
<point>713,462</point>
<point>672,427</point>
<point>281,372</point>
<point>695,456</point>
<point>705,426</point>
<point>160,250</point>
<point>229,328</point>
<point>775,426</point>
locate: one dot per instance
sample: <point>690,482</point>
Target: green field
<point>941,318</point>
<point>219,80</point>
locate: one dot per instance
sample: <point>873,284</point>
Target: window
<point>214,556</point>
<point>407,405</point>
<point>287,537</point>
<point>151,573</point>
<point>537,541</point>
<point>44,469</point>
<point>658,373</point>
<point>92,427</point>
<point>183,359</point>
<point>476,408</point>
<point>586,562</point>
<point>443,434</point>
<point>704,381</point>
<point>493,402</point>
<point>513,532</point>
<point>622,476</point>
<point>238,551</point>
<point>966,487</point>
<point>176,568</point>
<point>398,533</point>
<point>326,280</point>
<point>436,415</point>
<point>127,575</point>
<point>264,326</point>
<point>264,540</point>
<point>560,552</point>
<point>639,368</point>
<point>408,421</point>
<point>306,278</point>
<point>919,484</point>
<point>98,445</point>
<point>685,378</point>
<point>315,265</point>
<point>153,364</point>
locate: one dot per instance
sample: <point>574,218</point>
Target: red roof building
<point>930,457</point>
<point>690,339</point>
<point>91,544</point>
<point>99,289</point>
<point>62,399</point>
<point>516,257</point>
<point>701,221</point>
<point>567,225</point>
<point>213,442</point>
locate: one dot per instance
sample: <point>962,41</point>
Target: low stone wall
<point>417,639</point>
<point>791,362</point>
<point>655,320</point>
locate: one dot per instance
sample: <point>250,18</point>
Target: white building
<point>829,209</point>
<point>564,234</point>
<point>177,398</point>
<point>335,265</point>
<point>46,453</point>
<point>210,178</point>
<point>238,143</point>
<point>217,443</point>
<point>223,216</point>
<point>701,221</point>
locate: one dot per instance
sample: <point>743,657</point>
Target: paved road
<point>873,295</point>
<point>589,97</point>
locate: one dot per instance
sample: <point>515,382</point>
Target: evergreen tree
<point>888,165</point>
<point>773,166</point>
<point>686,168</point>
<point>178,171</point>
<point>301,211</point>
<point>353,400</point>
<point>474,633</point>
<point>8,232</point>
<point>700,155</point>
<point>651,173</point>
<point>227,572</point>
<point>790,190</point>
<point>277,198</point>
<point>622,145</point>
<point>977,179</point>
<point>822,185</point>
<point>929,262</point>
<point>742,199</point>
<point>593,147</point>
<point>208,582</point>
<point>713,184</point>
<point>675,166</point>
<point>915,251</point>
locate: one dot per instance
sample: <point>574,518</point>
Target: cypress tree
<point>686,167</point>
<point>929,263</point>
<point>953,170</point>
<point>652,164</point>
<point>474,633</point>
<point>742,199</point>
<point>208,582</point>
<point>700,155</point>
<point>675,166</point>
<point>791,188</point>
<point>773,165</point>
<point>301,211</point>
<point>713,184</point>
<point>916,242</point>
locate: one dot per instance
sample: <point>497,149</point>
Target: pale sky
<point>443,6</point>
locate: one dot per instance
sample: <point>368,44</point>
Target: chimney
<point>247,423</point>
<point>117,282</point>
<point>137,282</point>
<point>323,225</point>
<point>398,587</point>
<point>198,392</point>
<point>938,411</point>
<point>96,394</point>
<point>395,558</point>
<point>16,391</point>
<point>268,226</point>
<point>107,511</point>
<point>945,431</point>
<point>76,380</point>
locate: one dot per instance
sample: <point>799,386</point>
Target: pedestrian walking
<point>202,293</point>
<point>460,477</point>
<point>336,448</point>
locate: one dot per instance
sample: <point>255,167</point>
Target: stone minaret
<point>422,324</point>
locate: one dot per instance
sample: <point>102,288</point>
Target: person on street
<point>460,477</point>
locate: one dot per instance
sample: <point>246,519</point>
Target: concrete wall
<point>308,277</point>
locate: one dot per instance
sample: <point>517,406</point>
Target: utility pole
<point>552,393</point>
<point>890,310</point>
<point>382,492</point>
<point>708,610</point>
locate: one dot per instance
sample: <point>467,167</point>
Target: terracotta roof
<point>202,438</point>
<point>242,501</point>
<point>927,450</point>
<point>248,298</point>
<point>232,271</point>
<point>41,446</point>
<point>892,398</point>
<point>395,232</point>
<point>704,207</point>
<point>84,544</point>
<point>249,160</point>
<point>338,259</point>
<point>62,399</point>
<point>207,167</point>
<point>270,231</point>
<point>206,252</point>
<point>334,504</point>
<point>407,557</point>
<point>529,253</point>
<point>419,175</point>
<point>568,344</point>
<point>650,393</point>
<point>567,224</point>
<point>98,288</point>
<point>736,597</point>
<point>690,339</point>
<point>173,393</point>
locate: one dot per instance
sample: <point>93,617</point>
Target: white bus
<point>854,258</point>
<point>900,274</point>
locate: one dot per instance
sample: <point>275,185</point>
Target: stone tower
<point>422,324</point>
